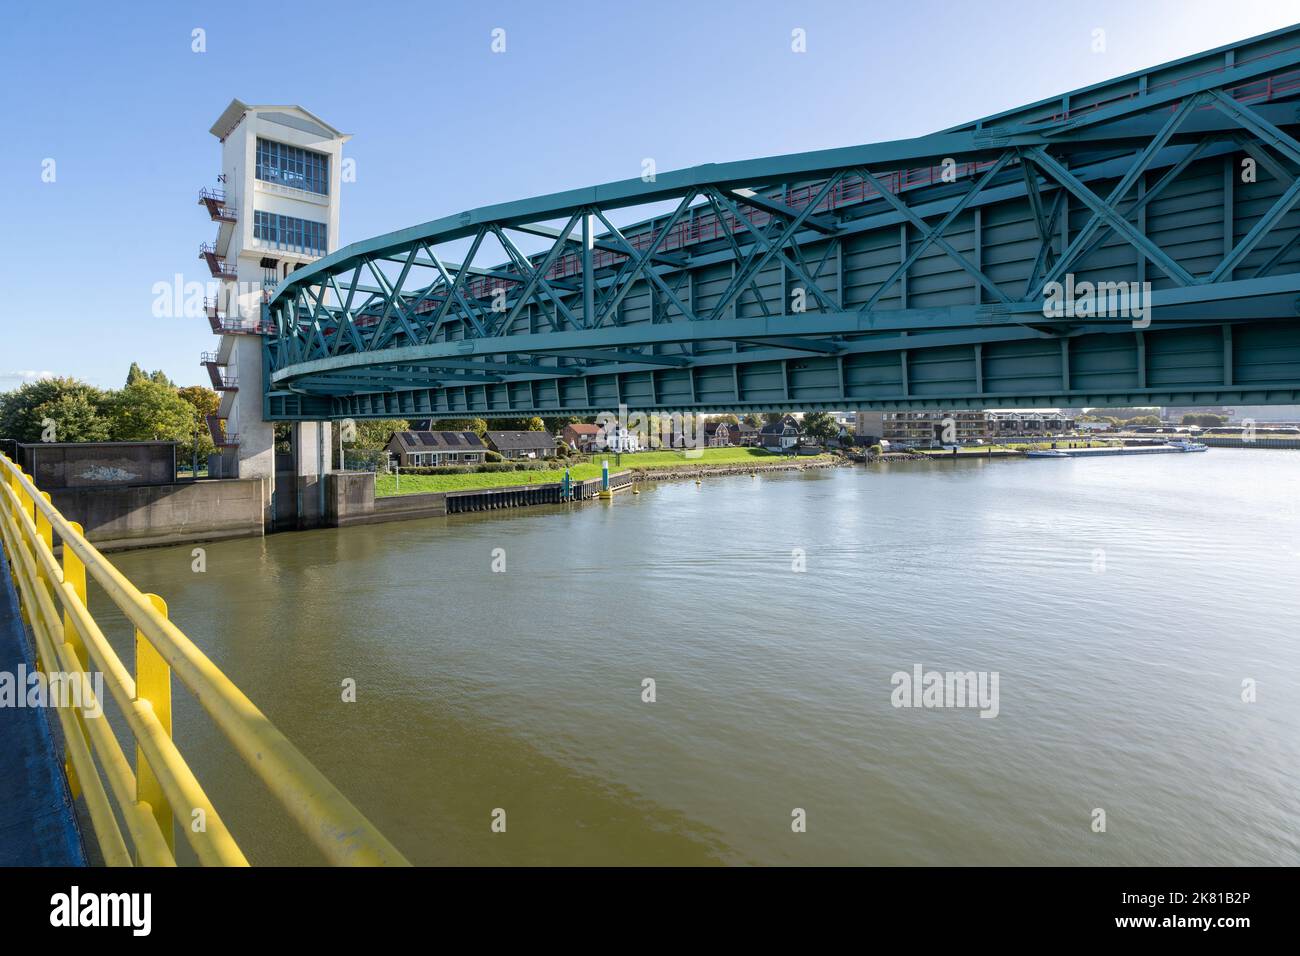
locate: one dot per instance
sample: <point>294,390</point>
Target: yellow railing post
<point>153,684</point>
<point>11,475</point>
<point>46,533</point>
<point>5,512</point>
<point>16,481</point>
<point>9,479</point>
<point>25,496</point>
<point>26,505</point>
<point>44,529</point>
<point>74,575</point>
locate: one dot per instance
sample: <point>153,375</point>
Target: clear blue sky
<point>113,93</point>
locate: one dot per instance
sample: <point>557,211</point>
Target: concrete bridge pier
<point>293,494</point>
<point>252,454</point>
<point>310,443</point>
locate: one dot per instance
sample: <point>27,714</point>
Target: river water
<point>1122,603</point>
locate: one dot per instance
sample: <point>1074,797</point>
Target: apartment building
<point>929,427</point>
<point>932,427</point>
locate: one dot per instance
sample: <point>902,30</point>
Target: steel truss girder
<point>320,312</point>
<point>922,209</point>
<point>1130,381</point>
<point>1273,297</point>
<point>326,339</point>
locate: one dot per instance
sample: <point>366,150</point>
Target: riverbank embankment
<point>687,471</point>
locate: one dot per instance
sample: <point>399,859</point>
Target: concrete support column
<point>311,447</point>
<point>242,410</point>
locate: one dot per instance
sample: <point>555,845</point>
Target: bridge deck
<point>37,824</point>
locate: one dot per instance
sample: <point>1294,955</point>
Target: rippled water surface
<point>1122,602</point>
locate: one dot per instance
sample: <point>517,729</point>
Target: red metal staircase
<point>219,267</point>
<point>214,200</point>
<point>217,426</point>
<point>221,381</point>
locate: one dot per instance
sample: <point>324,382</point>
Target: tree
<point>821,426</point>
<point>147,410</point>
<point>374,433</point>
<point>729,419</point>
<point>1143,420</point>
<point>476,425</point>
<point>365,447</point>
<point>135,373</point>
<point>771,418</point>
<point>203,402</point>
<point>753,421</point>
<point>1127,414</point>
<point>1205,420</point>
<point>556,423</point>
<point>74,408</point>
<point>533,424</point>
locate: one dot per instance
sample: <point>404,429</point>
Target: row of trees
<point>1123,414</point>
<point>1205,420</point>
<point>1114,421</point>
<point>149,407</point>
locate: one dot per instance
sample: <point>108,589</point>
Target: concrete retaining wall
<point>432,504</point>
<point>109,464</point>
<point>350,498</point>
<point>140,517</point>
<point>1258,442</point>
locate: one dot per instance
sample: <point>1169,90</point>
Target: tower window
<point>287,232</point>
<point>292,166</point>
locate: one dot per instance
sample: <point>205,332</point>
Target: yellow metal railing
<point>161,790</point>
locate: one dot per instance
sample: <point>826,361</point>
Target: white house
<point>618,439</point>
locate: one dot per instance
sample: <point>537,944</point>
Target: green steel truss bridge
<point>895,275</point>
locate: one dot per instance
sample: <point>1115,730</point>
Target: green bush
<point>440,470</point>
<point>366,459</point>
<point>493,456</point>
<point>488,468</point>
<point>491,466</point>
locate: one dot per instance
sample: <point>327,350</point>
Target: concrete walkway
<point>37,823</point>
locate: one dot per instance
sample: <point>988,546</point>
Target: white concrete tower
<point>276,207</point>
